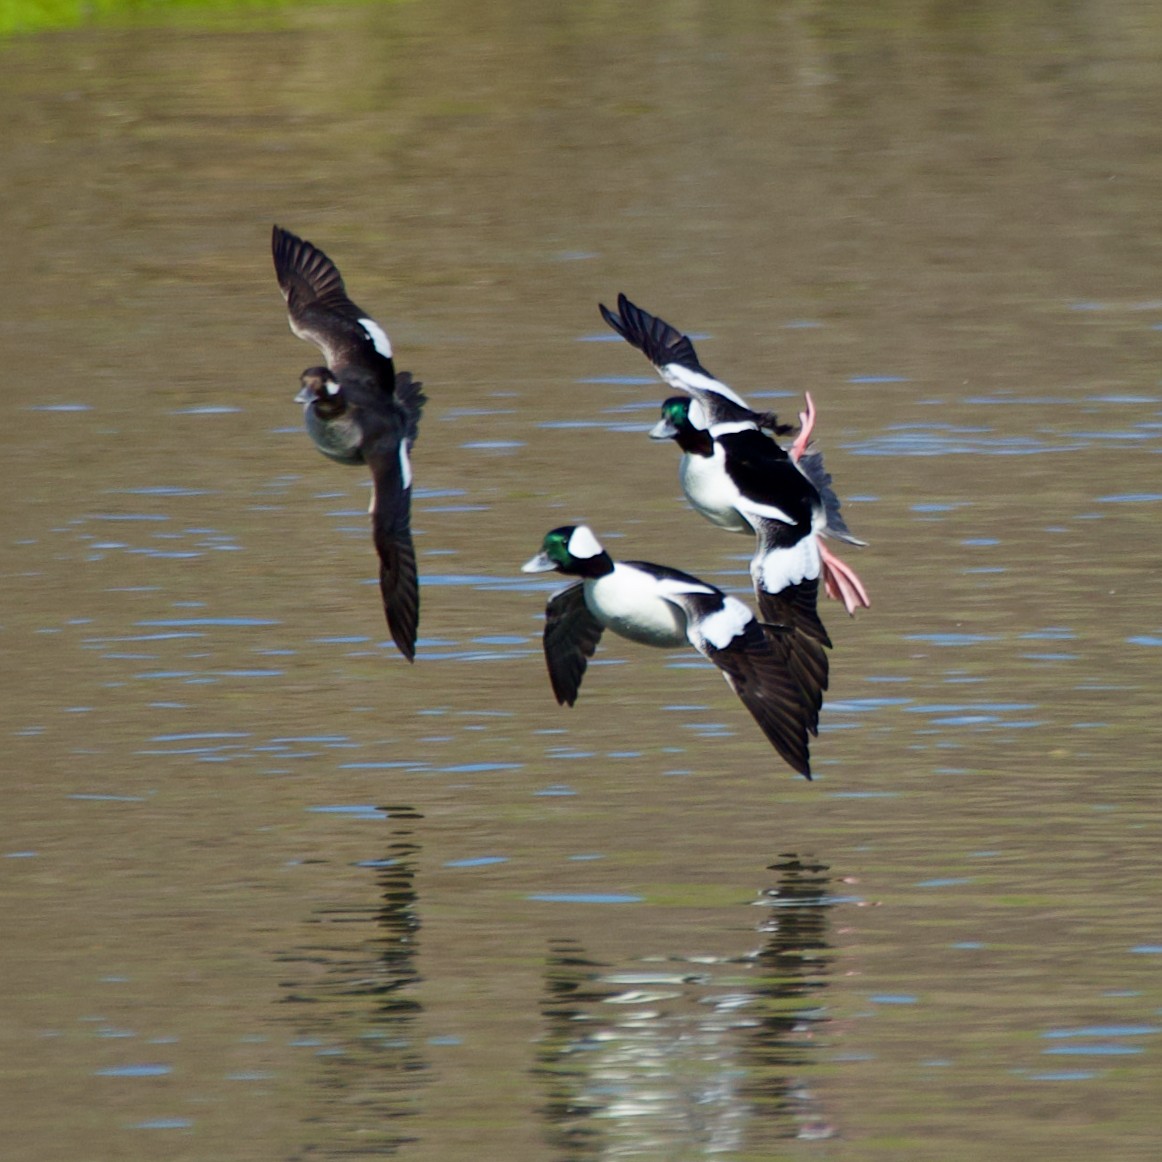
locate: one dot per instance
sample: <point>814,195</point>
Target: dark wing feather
<point>676,361</point>
<point>811,464</point>
<point>764,472</point>
<point>796,606</point>
<point>570,640</point>
<point>411,399</point>
<point>807,662</point>
<point>799,638</point>
<point>758,673</point>
<point>391,531</point>
<point>653,337</point>
<point>320,311</point>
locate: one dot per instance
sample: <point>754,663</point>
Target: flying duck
<point>358,410</point>
<point>745,478</point>
<point>664,607</point>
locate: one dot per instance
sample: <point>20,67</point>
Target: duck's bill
<point>538,564</point>
<point>304,395</point>
<point>663,430</point>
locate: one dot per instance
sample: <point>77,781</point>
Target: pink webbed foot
<point>841,581</point>
<point>806,427</point>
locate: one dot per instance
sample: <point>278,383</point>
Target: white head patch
<point>378,337</point>
<point>330,387</point>
<point>697,416</point>
<point>583,544</point>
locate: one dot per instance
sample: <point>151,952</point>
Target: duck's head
<point>320,387</point>
<point>570,549</point>
<point>684,421</point>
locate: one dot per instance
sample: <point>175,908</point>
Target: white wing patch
<point>378,337</point>
<point>725,624</point>
<point>732,427</point>
<point>769,511</point>
<point>405,464</point>
<point>778,568</point>
<point>693,382</point>
<point>583,544</point>
<point>672,587</point>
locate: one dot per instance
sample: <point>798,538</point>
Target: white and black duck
<point>358,410</point>
<point>664,607</point>
<point>740,479</point>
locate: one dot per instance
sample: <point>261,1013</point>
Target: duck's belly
<point>339,439</point>
<point>711,491</point>
<point>630,608</point>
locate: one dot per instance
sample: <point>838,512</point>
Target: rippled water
<point>269,892</point>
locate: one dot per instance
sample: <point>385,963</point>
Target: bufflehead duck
<point>358,410</point>
<point>714,411</point>
<point>664,607</point>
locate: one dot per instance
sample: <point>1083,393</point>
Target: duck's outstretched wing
<point>726,632</point>
<point>321,313</point>
<point>570,640</point>
<point>786,581</point>
<point>675,360</point>
<point>387,456</point>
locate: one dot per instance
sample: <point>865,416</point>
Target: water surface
<point>269,892</point>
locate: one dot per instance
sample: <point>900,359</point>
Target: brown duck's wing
<point>321,312</point>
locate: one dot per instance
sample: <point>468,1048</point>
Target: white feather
<point>730,427</point>
<point>711,491</point>
<point>768,511</point>
<point>778,568</point>
<point>405,464</point>
<point>697,416</point>
<point>673,587</point>
<point>583,544</point>
<point>693,382</point>
<point>378,337</point>
<point>727,623</point>
<point>632,603</point>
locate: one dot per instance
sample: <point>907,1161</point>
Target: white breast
<point>711,491</point>
<point>630,603</point>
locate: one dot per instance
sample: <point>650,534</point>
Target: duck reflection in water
<point>682,1053</point>
<point>356,1007</point>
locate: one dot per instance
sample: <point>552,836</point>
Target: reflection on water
<point>355,993</point>
<point>706,1053</point>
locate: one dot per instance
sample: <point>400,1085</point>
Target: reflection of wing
<point>726,633</point>
<point>390,526</point>
<point>321,313</point>
<point>570,639</point>
<point>674,358</point>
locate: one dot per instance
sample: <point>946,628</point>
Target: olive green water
<point>269,893</point>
